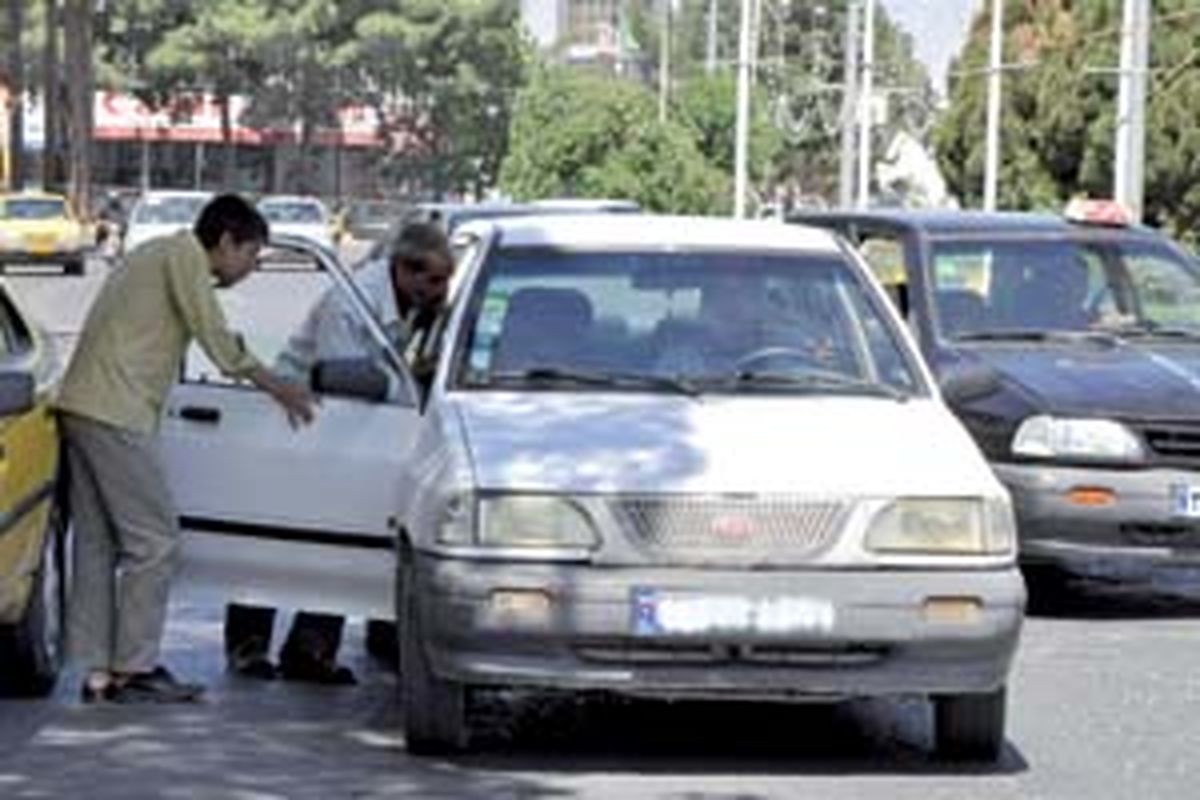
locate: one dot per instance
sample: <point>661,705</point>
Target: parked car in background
<point>162,213</point>
<point>369,220</point>
<point>675,457</point>
<point>306,217</point>
<point>32,524</point>
<point>40,228</point>
<point>1070,347</point>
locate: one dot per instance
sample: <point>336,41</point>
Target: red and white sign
<point>197,118</point>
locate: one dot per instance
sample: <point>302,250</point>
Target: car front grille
<point>1176,443</point>
<point>733,530</point>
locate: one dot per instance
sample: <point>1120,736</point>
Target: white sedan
<point>677,457</point>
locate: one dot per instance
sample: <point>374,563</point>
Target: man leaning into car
<point>406,293</point>
<point>129,353</point>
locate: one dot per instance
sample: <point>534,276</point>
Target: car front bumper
<point>881,639</point>
<point>1138,529</point>
<point>40,257</point>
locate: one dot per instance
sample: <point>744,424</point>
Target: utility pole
<point>742,133</point>
<point>849,106</point>
<point>1129,179</point>
<point>755,26</point>
<point>864,107</point>
<point>991,176</point>
<point>16,98</point>
<point>710,53</point>
<point>664,61</point>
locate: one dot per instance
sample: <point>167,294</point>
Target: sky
<point>939,28</point>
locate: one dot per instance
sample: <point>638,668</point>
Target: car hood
<point>1121,379</point>
<point>809,445</point>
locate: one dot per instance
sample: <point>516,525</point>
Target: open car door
<point>299,518</point>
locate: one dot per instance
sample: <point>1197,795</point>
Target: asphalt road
<point>1104,703</point>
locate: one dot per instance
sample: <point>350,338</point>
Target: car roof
<point>34,195</point>
<point>164,194</point>
<point>947,222</point>
<point>290,198</point>
<point>649,231</point>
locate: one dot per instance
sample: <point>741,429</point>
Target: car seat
<point>542,327</point>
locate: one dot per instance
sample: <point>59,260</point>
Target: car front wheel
<point>434,709</point>
<point>970,727</point>
<point>31,650</point>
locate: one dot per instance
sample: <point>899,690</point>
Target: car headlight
<point>534,521</point>
<point>945,526</point>
<point>1044,436</point>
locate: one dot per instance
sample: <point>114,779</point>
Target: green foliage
<point>1058,118</point>
<point>584,135</point>
<point>708,104</point>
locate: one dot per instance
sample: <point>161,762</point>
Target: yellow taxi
<point>32,520</point>
<point>41,228</point>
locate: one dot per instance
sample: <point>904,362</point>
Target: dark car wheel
<point>434,710</point>
<point>970,727</point>
<point>31,650</point>
<point>73,267</point>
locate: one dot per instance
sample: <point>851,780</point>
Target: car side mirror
<point>962,384</point>
<point>18,393</point>
<point>360,378</point>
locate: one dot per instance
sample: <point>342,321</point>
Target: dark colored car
<point>1071,351</point>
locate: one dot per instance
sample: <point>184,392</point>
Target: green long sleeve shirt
<point>138,330</point>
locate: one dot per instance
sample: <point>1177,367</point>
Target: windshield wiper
<point>598,379</point>
<point>825,382</point>
<point>1037,335</point>
<point>1151,330</point>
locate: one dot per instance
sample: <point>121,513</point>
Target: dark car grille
<point>768,529</point>
<point>1173,442</point>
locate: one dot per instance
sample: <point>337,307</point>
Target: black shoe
<point>259,667</point>
<point>315,670</point>
<point>156,686</point>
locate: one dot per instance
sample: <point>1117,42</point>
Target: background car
<point>41,228</point>
<point>32,524</point>
<point>289,215</point>
<point>161,214</point>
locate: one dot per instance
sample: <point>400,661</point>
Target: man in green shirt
<point>128,357</point>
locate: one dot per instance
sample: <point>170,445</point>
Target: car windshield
<point>41,208</point>
<point>292,212</point>
<point>168,210</point>
<point>1027,286</point>
<point>699,321</point>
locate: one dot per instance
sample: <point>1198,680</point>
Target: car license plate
<point>1185,500</point>
<point>658,612</point>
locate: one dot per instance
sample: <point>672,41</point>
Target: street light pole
<point>1131,107</point>
<point>849,106</point>
<point>664,61</point>
<point>710,55</point>
<point>864,107</point>
<point>742,132</point>
<point>992,165</point>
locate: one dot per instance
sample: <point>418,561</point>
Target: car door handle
<point>205,414</point>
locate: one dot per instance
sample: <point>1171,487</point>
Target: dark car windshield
<point>1026,286</point>
<point>680,321</point>
<point>47,208</point>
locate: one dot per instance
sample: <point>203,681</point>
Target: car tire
<point>381,642</point>
<point>434,709</point>
<point>31,653</point>
<point>970,727</point>
<point>73,267</point>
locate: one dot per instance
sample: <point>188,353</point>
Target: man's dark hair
<point>417,242</point>
<point>232,214</point>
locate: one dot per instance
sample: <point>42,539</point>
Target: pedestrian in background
<point>128,356</point>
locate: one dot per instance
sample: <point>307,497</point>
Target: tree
<point>454,67</point>
<point>585,135</point>
<point>1058,118</point>
<point>708,105</point>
